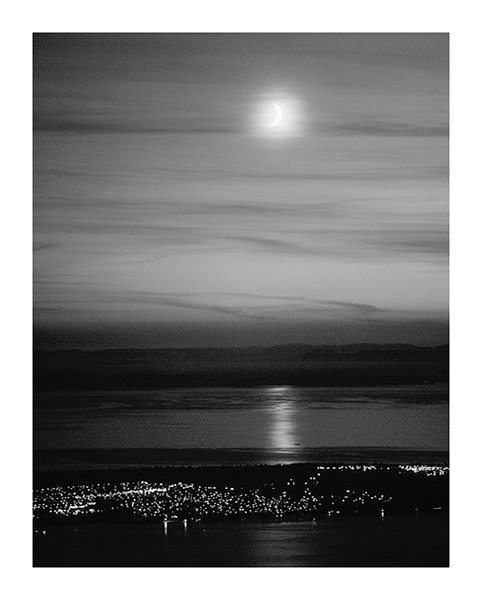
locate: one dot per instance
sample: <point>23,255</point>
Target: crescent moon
<point>278,116</point>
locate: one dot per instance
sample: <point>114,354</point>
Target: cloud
<point>355,244</point>
<point>44,246</point>
<point>439,246</point>
<point>153,299</point>
<point>271,245</point>
<point>302,305</point>
<point>96,299</point>
<point>103,125</point>
<point>121,238</point>
<point>388,128</point>
<point>69,125</point>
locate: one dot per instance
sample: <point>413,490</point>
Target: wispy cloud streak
<point>387,128</point>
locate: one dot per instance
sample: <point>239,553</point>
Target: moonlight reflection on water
<point>281,419</point>
<point>282,408</point>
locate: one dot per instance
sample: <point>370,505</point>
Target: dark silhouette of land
<point>298,365</point>
<point>55,465</point>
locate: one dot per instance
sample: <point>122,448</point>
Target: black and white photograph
<point>240,299</point>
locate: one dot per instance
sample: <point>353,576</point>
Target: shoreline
<point>72,459</point>
<point>296,491</point>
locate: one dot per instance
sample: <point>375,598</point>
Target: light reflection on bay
<point>281,419</point>
<point>282,429</point>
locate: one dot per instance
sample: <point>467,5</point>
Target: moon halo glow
<point>277,116</point>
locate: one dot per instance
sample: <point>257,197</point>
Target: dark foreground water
<point>396,541</point>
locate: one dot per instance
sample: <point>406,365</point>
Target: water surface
<point>402,541</point>
<point>285,419</point>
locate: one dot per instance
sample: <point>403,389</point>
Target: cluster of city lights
<point>181,501</point>
<point>427,469</point>
<point>363,468</point>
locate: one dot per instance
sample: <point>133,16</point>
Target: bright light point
<point>277,116</point>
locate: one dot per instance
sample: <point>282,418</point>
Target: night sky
<point>240,189</point>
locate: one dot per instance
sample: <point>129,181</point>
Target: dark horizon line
<point>248,347</point>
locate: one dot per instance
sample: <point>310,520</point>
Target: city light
<point>188,502</point>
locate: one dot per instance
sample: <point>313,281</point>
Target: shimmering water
<point>279,419</point>
<point>402,541</point>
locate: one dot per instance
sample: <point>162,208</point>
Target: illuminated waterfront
<point>292,497</point>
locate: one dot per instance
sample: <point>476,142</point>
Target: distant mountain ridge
<point>289,364</point>
<point>286,349</point>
